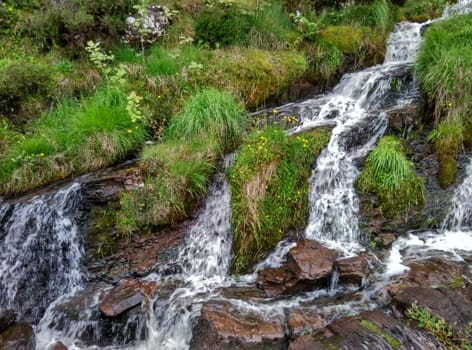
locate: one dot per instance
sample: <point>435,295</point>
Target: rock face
<point>309,264</point>
<point>448,304</point>
<point>301,321</point>
<point>405,117</point>
<point>149,24</point>
<point>369,330</point>
<point>353,270</point>
<point>222,326</point>
<point>19,336</point>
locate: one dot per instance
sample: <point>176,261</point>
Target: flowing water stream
<point>41,245</point>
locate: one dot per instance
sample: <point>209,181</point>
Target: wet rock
<point>19,336</point>
<point>7,317</point>
<point>305,321</point>
<point>353,270</point>
<point>222,326</point>
<point>308,264</point>
<point>385,239</point>
<point>58,346</point>
<point>404,117</point>
<point>448,304</point>
<point>81,315</point>
<point>128,294</point>
<point>369,330</point>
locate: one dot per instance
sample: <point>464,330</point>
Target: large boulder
<point>309,264</point>
<point>369,330</point>
<point>353,270</point>
<point>222,326</point>
<point>18,336</point>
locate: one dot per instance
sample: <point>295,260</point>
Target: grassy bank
<point>444,68</point>
<point>269,184</point>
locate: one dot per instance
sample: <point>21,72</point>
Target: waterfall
<point>205,260</point>
<point>354,109</point>
<point>40,251</point>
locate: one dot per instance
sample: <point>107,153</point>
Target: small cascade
<point>354,107</point>
<point>460,215</point>
<point>40,251</point>
<point>205,260</point>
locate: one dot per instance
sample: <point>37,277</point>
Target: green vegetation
<point>444,67</point>
<point>178,169</point>
<point>440,329</point>
<point>269,182</point>
<point>392,341</point>
<point>421,11</point>
<point>390,176</point>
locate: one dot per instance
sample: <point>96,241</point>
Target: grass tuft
<point>391,177</point>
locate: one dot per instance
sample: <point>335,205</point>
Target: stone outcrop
<point>309,264</point>
<point>18,336</point>
<point>222,326</point>
<point>148,25</point>
<point>369,330</point>
<point>353,270</point>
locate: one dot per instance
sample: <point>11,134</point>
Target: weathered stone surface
<point>18,336</point>
<point>369,330</point>
<point>403,117</point>
<point>222,326</point>
<point>147,26</point>
<point>308,264</point>
<point>447,303</point>
<point>385,239</point>
<point>7,317</point>
<point>353,270</point>
<point>120,299</point>
<point>302,321</point>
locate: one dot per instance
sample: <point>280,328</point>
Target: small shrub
<point>20,80</point>
<point>221,25</point>
<point>269,185</point>
<point>389,175</point>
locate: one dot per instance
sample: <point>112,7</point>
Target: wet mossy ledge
<point>269,186</point>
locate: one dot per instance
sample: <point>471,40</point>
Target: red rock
<point>120,299</point>
<point>352,270</point>
<point>19,336</point>
<point>59,346</point>
<point>308,264</point>
<point>222,326</point>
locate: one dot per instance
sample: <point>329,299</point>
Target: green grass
<point>178,170</point>
<point>269,185</point>
<point>444,68</point>
<point>73,138</point>
<point>210,112</point>
<point>390,176</point>
<point>421,11</point>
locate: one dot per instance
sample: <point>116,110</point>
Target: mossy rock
<point>346,39</point>
<point>447,170</point>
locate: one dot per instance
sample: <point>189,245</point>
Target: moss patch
<point>392,341</point>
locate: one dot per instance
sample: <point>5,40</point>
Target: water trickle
<point>40,251</point>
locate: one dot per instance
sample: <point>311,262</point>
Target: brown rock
<point>353,270</point>
<point>308,264</point>
<point>385,239</point>
<point>59,346</point>
<point>120,299</point>
<point>443,302</point>
<point>302,321</point>
<point>222,326</point>
<point>19,336</point>
<point>369,330</point>
<point>7,317</point>
<point>403,117</point>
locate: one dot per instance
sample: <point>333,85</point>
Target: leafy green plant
<point>391,177</point>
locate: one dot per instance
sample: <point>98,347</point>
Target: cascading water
<point>205,259</point>
<point>40,251</point>
<point>353,107</point>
